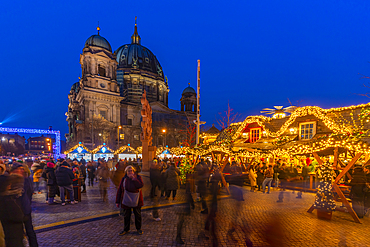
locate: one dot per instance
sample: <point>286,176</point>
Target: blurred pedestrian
<point>252,178</point>
<point>103,175</point>
<point>51,181</point>
<point>269,173</point>
<point>130,198</point>
<point>358,183</point>
<point>11,214</point>
<point>91,172</point>
<point>185,210</point>
<point>25,201</point>
<point>155,176</point>
<point>172,181</point>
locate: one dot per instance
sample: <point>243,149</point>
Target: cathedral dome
<point>189,90</point>
<point>97,40</point>
<point>139,57</point>
<point>136,56</point>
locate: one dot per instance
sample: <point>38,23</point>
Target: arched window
<point>101,70</point>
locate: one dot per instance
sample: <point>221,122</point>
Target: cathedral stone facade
<point>105,103</point>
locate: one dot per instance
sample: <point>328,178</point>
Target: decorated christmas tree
<point>324,199</point>
<point>185,168</point>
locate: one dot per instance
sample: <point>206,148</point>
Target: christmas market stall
<point>78,152</point>
<point>310,144</point>
<point>103,152</point>
<point>127,152</point>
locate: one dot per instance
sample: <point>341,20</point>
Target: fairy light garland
<point>76,146</point>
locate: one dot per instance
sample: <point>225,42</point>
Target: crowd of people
<point>20,180</point>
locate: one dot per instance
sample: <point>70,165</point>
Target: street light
<point>164,133</point>
<point>119,127</point>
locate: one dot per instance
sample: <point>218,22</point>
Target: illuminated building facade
<point>105,103</point>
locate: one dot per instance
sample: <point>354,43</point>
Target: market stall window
<point>255,134</point>
<point>307,130</point>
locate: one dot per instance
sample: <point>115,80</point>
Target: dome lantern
<point>135,38</point>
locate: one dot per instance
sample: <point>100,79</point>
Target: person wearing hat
<point>51,181</point>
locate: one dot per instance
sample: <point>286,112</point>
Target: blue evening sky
<point>254,54</point>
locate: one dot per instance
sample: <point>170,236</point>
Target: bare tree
<point>227,117</point>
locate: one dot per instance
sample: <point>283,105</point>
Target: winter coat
<point>12,217</point>
<point>253,178</point>
<point>131,185</point>
<point>269,173</point>
<point>172,178</point>
<point>37,174</point>
<point>26,197</point>
<point>51,180</point>
<point>64,176</point>
<point>91,171</point>
<point>83,171</point>
<point>103,174</point>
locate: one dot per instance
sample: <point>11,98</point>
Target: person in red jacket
<point>130,198</point>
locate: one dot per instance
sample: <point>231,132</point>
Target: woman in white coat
<point>252,178</point>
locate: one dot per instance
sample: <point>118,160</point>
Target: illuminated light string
<point>123,148</point>
<point>56,148</point>
<point>101,147</point>
<point>80,145</point>
<point>299,112</point>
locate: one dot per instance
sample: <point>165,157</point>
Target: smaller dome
<point>189,90</point>
<point>97,40</point>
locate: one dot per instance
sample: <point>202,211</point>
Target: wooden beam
<point>335,157</point>
<point>249,164</point>
<point>346,203</point>
<point>213,157</point>
<point>348,167</point>
<point>317,158</point>
<point>224,164</point>
<point>311,209</point>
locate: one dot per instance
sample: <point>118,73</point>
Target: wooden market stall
<point>78,152</point>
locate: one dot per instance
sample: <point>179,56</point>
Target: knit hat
<point>50,164</point>
<point>16,165</point>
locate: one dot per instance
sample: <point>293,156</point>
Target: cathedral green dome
<point>189,90</point>
<point>136,56</point>
<point>99,41</point>
<point>139,57</point>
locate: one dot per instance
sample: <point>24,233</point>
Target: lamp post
<point>92,129</point>
<point>119,127</point>
<point>164,133</point>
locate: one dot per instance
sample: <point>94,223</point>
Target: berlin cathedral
<point>104,104</point>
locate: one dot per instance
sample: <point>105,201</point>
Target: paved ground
<point>260,218</point>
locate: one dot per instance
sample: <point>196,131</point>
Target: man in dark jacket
<point>65,176</point>
<point>83,176</point>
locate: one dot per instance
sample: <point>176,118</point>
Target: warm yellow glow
<point>120,127</point>
<point>164,130</point>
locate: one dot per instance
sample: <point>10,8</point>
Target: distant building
<point>12,144</point>
<point>105,103</point>
<point>40,145</point>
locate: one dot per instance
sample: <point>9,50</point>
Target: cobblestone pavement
<point>260,217</point>
<point>91,204</point>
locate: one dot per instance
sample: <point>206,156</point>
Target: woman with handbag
<point>130,198</point>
